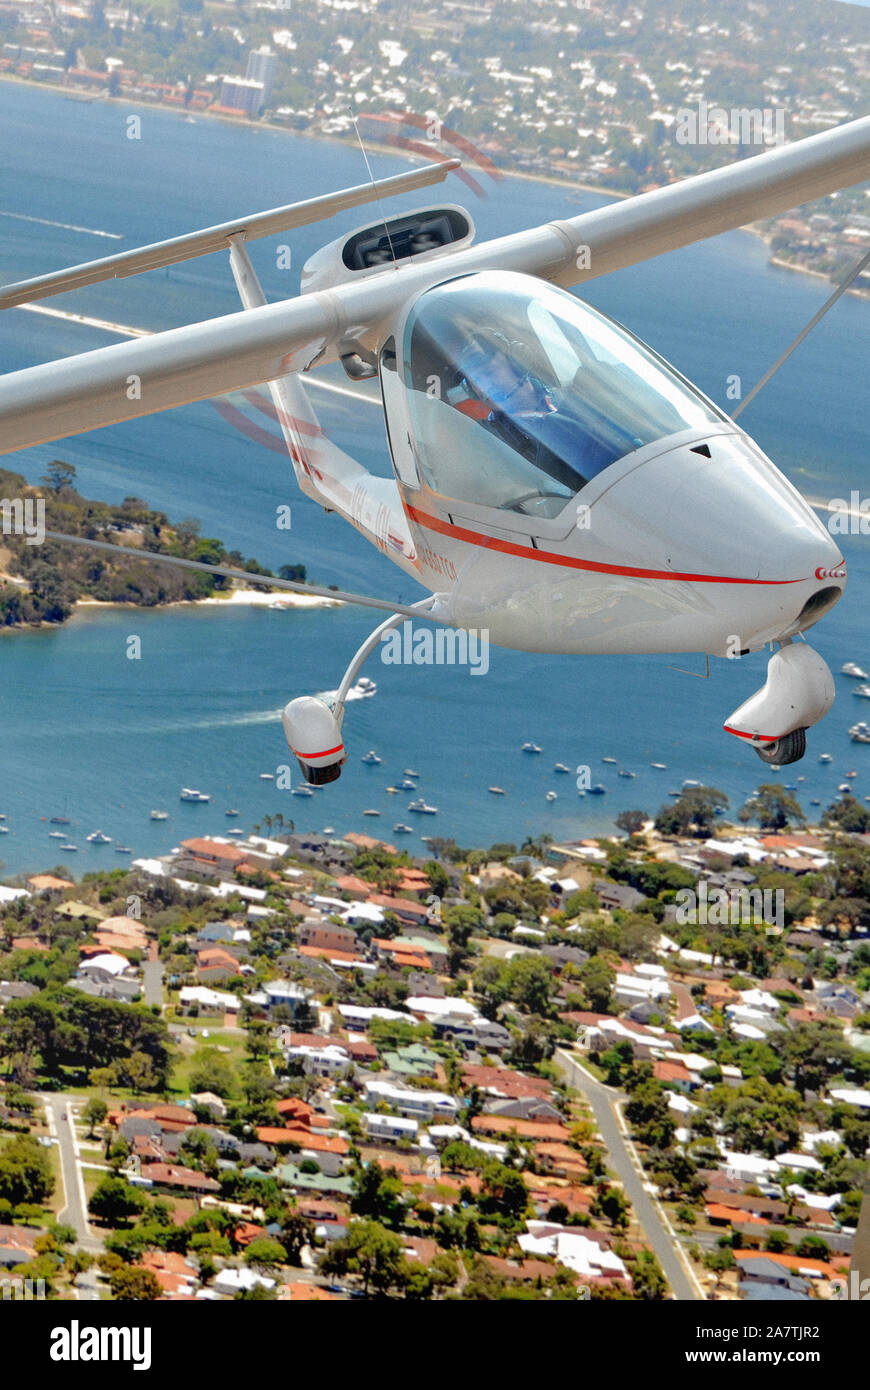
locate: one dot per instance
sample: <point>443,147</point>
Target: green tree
<point>597,979</point>
<point>632,822</point>
<point>370,1251</point>
<point>378,1194</point>
<point>25,1172</point>
<point>264,1251</point>
<point>94,1113</point>
<point>693,813</point>
<point>718,1262</point>
<point>59,475</point>
<point>772,807</point>
<point>132,1284</point>
<point>113,1199</point>
<point>648,1278</point>
<point>813,1052</point>
<point>210,1071</point>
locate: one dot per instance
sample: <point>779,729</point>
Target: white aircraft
<point>556,483</point>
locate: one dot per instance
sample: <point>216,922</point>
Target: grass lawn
<point>230,1045</point>
<point>592,1067</point>
<point>91,1177</point>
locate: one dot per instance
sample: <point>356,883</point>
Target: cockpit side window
<point>400,444</point>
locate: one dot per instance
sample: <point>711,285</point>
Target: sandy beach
<point>236,598</point>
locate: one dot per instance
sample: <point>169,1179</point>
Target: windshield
<point>519,393</point>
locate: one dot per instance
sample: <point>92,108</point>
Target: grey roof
<point>620,893</point>
<point>753,1292</point>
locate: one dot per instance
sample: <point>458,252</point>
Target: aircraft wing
<point>262,344</point>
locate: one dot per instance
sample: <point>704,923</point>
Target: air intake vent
<point>703,449</point>
<point>408,236</point>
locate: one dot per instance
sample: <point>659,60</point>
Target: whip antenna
<point>374,188</point>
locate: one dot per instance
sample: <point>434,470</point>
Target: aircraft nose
<point>716,506</point>
<point>719,510</point>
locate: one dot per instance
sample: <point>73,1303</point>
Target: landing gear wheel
<point>789,749</point>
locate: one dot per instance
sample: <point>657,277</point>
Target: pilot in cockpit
<point>493,381</point>
<point>496,388</point>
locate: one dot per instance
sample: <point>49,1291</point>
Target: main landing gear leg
<point>312,727</point>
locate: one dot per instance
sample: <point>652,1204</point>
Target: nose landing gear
<point>798,692</point>
<point>789,749</point>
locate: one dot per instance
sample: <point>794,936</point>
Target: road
<point>75,1212</point>
<point>152,978</point>
<point>603,1100</point>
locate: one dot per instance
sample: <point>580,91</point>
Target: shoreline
<point>564,181</point>
<point>372,146</point>
<point>657,845</point>
<point>239,598</point>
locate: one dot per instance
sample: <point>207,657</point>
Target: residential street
<point>152,978</point>
<point>75,1212</point>
<point>603,1100</point>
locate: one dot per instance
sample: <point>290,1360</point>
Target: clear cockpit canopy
<point>519,394</point>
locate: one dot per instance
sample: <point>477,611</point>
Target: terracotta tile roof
<point>328,953</point>
<point>355,837</point>
<point>671,1071</point>
<point>399,905</point>
<point>246,1232</point>
<point>167,1261</point>
<point>294,1105</point>
<point>303,1138</point>
<point>172,1175</point>
<point>524,1129</point>
<point>42,882</point>
<point>349,883</point>
<point>414,961</point>
<point>828,1270</point>
<point>304,1293</point>
<point>550,1148</point>
<point>554,1190</point>
<point>514,1085</point>
<point>736,1217</point>
<point>211,849</point>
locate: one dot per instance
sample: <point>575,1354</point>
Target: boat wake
<point>66,226</point>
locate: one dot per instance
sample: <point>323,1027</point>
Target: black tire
<point>320,776</point>
<point>789,749</point>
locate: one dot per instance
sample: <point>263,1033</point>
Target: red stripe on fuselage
<point>548,557</point>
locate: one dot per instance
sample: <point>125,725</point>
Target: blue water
<point>88,733</point>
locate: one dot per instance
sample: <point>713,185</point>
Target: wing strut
<point>433,612</point>
<point>804,333</point>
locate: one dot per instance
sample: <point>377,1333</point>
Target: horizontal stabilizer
<point>184,248</point>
